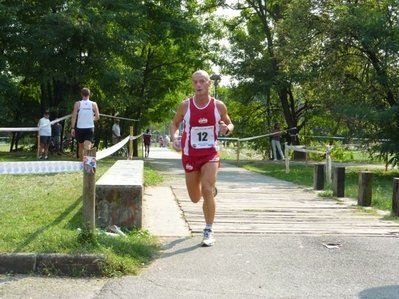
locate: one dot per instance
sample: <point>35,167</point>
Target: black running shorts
<point>84,134</point>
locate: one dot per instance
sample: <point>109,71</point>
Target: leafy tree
<point>345,54</point>
<point>330,61</point>
<point>136,57</point>
<point>257,66</point>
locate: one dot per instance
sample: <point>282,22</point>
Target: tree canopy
<point>323,67</point>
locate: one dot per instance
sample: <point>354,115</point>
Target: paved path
<point>252,203</point>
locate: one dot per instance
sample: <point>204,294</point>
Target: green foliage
<point>136,57</point>
<point>324,67</point>
<point>337,153</point>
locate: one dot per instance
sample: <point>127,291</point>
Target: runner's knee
<point>195,199</point>
<point>207,190</point>
<point>195,196</point>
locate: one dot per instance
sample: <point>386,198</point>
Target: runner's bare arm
<point>96,111</point>
<point>74,116</point>
<point>177,120</point>
<point>225,125</point>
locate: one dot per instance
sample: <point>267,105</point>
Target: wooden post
<point>365,188</point>
<point>130,155</point>
<point>339,182</point>
<point>395,197</point>
<point>318,178</point>
<point>89,188</point>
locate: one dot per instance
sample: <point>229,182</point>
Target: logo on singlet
<point>203,120</point>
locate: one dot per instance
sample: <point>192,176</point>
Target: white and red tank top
<point>201,129</point>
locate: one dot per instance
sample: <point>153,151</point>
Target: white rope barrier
<point>254,137</point>
<point>109,151</point>
<point>117,117</point>
<point>238,140</point>
<point>326,137</point>
<point>33,129</point>
<point>304,149</point>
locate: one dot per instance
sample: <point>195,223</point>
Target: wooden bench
<point>119,195</point>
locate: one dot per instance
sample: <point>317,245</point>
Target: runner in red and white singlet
<point>199,139</point>
<point>204,117</point>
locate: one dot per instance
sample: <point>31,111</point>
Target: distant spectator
<point>45,135</point>
<point>116,132</point>
<point>147,142</point>
<point>167,140</point>
<point>275,138</point>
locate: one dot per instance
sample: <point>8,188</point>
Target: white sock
<point>208,226</point>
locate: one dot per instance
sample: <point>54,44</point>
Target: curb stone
<point>65,264</point>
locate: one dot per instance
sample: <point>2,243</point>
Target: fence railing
<point>310,149</point>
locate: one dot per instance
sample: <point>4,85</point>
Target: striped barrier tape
<point>39,167</point>
<point>33,129</point>
<point>57,166</point>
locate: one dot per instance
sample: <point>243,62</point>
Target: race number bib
<point>202,137</point>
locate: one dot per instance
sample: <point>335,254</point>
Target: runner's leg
<point>46,146</point>
<point>208,179</point>
<point>274,149</point>
<point>41,148</point>
<point>280,151</point>
<point>193,184</point>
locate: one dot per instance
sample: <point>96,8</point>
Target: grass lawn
<point>42,213</point>
<point>4,147</point>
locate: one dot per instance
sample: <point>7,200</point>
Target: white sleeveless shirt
<point>85,115</point>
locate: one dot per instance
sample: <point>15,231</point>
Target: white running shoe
<point>209,238</point>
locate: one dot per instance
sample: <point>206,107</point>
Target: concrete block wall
<point>119,195</point>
